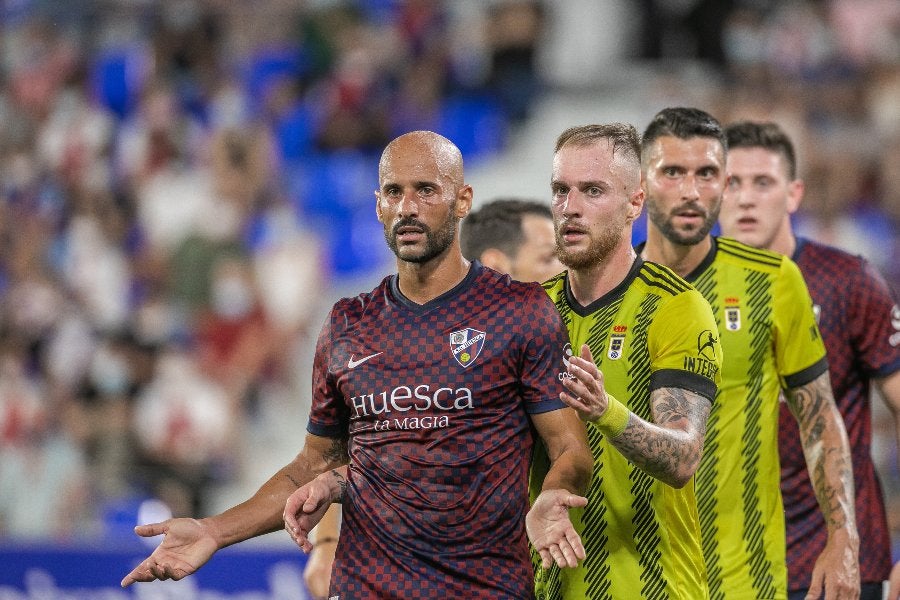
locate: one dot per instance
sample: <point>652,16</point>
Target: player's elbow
<point>683,471</point>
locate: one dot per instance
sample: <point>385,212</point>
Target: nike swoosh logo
<point>355,363</point>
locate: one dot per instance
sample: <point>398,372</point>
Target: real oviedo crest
<point>466,345</point>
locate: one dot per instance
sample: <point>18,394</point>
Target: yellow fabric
<point>769,337</point>
<point>642,536</point>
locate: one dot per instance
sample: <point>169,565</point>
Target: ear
<point>378,206</point>
<point>463,201</point>
<point>635,205</point>
<point>495,259</point>
<point>796,189</point>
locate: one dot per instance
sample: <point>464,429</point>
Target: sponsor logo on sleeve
<point>705,362</point>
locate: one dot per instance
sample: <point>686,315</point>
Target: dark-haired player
<point>770,342</point>
<point>513,236</point>
<point>860,324</point>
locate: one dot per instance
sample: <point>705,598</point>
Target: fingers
<point>575,501</point>
<point>564,554</point>
<point>586,353</point>
<point>546,559</point>
<point>150,571</point>
<point>151,529</point>
<point>575,542</point>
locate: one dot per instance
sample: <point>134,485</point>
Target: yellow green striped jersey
<point>770,340</point>
<point>642,536</point>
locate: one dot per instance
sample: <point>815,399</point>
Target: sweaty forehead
<point>669,149</point>
<point>420,158</point>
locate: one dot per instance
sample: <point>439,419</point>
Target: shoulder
<point>350,309</point>
<point>812,254</point>
<point>661,280</point>
<point>748,257</point>
<point>502,286</point>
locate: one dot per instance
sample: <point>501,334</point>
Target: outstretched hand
<point>186,547</point>
<point>305,508</point>
<point>551,531</point>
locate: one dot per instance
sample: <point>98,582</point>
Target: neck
<point>591,283</point>
<point>784,241</point>
<point>423,282</point>
<point>680,258</point>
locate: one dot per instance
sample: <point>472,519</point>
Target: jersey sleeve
<point>543,359</point>
<point>799,348</point>
<point>328,415</point>
<point>874,322</point>
<point>684,346</point>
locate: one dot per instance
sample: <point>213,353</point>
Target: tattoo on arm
<point>338,452</point>
<point>342,482</point>
<point>826,448</point>
<point>671,446</point>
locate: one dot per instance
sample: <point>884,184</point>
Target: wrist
<point>336,483</point>
<point>614,419</point>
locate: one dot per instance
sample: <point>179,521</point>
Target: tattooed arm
<point>827,452</point>
<point>188,543</point>
<point>669,448</point>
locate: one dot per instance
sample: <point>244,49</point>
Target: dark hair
<point>769,136</point>
<point>624,138</point>
<point>498,224</point>
<point>683,123</point>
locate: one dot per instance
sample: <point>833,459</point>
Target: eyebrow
<point>603,185</point>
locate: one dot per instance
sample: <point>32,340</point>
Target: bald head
<point>424,147</point>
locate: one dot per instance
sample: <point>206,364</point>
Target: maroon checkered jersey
<point>854,309</point>
<point>435,399</point>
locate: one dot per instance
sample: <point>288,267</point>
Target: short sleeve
<point>685,347</point>
<point>874,323</point>
<point>799,348</point>
<point>543,359</point>
<point>329,416</point>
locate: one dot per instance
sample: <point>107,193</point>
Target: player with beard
<point>646,372</point>
<point>771,343</point>
<point>510,235</point>
<point>426,392</point>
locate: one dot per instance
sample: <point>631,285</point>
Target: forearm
<point>827,452</point>
<point>264,511</point>
<point>565,437</point>
<point>670,448</point>
<point>569,471</point>
<point>260,514</point>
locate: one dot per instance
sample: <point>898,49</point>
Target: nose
<point>736,195</point>
<point>408,205</point>
<point>571,205</point>
<point>689,188</point>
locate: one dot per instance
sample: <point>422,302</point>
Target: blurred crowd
<point>183,183</point>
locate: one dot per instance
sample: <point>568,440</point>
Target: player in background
<point>513,236</point>
<point>860,324</point>
<point>770,342</point>
<point>426,391</point>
